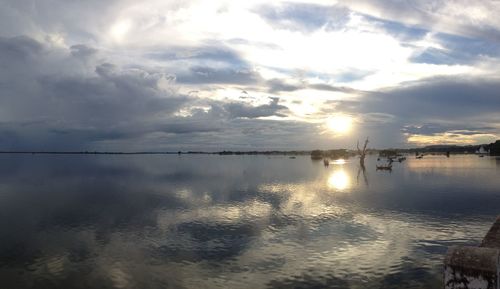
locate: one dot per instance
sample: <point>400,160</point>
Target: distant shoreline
<point>161,153</point>
<point>85,153</point>
<point>435,149</point>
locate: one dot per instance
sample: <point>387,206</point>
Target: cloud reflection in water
<point>247,222</point>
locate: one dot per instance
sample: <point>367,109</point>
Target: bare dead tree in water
<point>362,169</point>
<point>362,153</point>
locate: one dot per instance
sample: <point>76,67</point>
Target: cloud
<point>240,110</point>
<point>453,49</point>
<point>113,102</point>
<point>47,104</point>
<point>451,138</point>
<point>83,51</point>
<point>433,129</point>
<point>351,106</point>
<point>400,30</point>
<point>304,17</point>
<point>277,85</point>
<point>20,47</point>
<point>209,75</point>
<point>474,19</point>
<point>215,55</point>
<point>447,98</point>
<point>436,109</point>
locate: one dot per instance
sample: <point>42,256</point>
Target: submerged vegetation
<point>332,154</point>
<point>495,148</point>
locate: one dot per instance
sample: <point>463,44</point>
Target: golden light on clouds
<point>339,124</point>
<point>450,138</point>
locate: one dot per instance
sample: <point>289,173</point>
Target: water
<point>208,221</point>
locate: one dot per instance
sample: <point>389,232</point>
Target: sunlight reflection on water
<point>339,162</point>
<point>339,180</point>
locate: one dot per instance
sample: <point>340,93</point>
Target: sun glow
<point>120,29</point>
<point>340,124</point>
<point>339,180</point>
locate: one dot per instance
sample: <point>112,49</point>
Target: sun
<point>120,29</point>
<point>339,124</point>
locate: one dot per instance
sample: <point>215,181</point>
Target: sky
<point>162,75</point>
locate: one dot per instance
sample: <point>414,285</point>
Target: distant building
<point>482,151</point>
<point>495,148</point>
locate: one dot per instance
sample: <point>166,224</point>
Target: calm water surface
<point>204,221</point>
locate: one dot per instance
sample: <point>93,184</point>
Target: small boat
<point>420,157</point>
<point>384,167</point>
<point>326,162</point>
<point>292,157</point>
<point>481,156</point>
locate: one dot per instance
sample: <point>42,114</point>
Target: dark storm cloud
<point>83,51</point>
<point>111,95</point>
<point>183,126</point>
<point>49,101</point>
<point>461,106</point>
<point>207,64</point>
<point>209,75</point>
<point>278,85</point>
<point>328,87</point>
<point>304,17</point>
<point>238,110</point>
<point>245,133</point>
<point>447,98</point>
<point>44,104</point>
<point>200,55</point>
<point>19,47</point>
